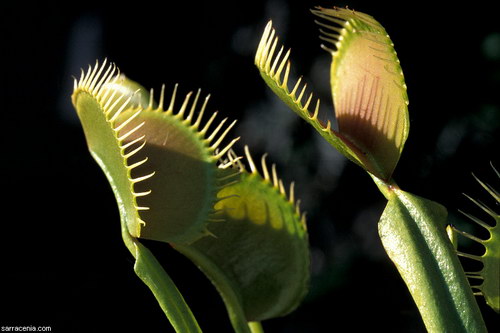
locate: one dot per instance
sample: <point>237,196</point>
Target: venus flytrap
<point>175,181</point>
<point>371,106</point>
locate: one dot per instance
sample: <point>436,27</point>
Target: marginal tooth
<point>295,88</point>
<point>129,119</point>
<point>172,99</point>
<point>202,111</point>
<point>129,154</point>
<point>303,220</point>
<point>471,237</point>
<point>104,94</point>
<point>162,97</point>
<point>476,220</point>
<point>316,111</point>
<point>151,99</point>
<point>474,275</point>
<point>135,165</point>
<point>494,169</point>
<point>489,188</point>
<point>275,175</point>
<point>265,51</point>
<point>299,99</point>
<point>120,110</point>
<point>230,163</point>
<point>141,194</point>
<point>282,65</point>
<point>262,43</point>
<point>328,18</point>
<point>217,143</point>
<point>193,107</point>
<point>297,207</point>
<point>327,39</point>
<point>329,34</point>
<point>275,63</point>
<point>224,151</point>
<point>82,75</point>
<point>98,75</point>
<point>265,171</point>
<point>329,50</point>
<point>324,25</point>
<point>470,256</point>
<point>233,157</point>
<point>209,122</point>
<point>217,129</point>
<point>105,79</point>
<point>270,56</point>
<point>92,76</point>
<point>140,179</point>
<point>107,108</point>
<point>292,192</point>
<point>100,79</point>
<point>87,77</point>
<point>328,127</point>
<point>250,160</point>
<point>141,208</point>
<point>126,135</point>
<point>306,106</point>
<point>284,85</point>
<point>232,175</point>
<point>180,114</point>
<point>481,205</point>
<point>282,187</point>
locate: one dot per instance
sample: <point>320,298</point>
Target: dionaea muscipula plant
<point>175,181</point>
<point>371,106</point>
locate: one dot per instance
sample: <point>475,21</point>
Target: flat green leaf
<point>258,257</point>
<point>368,88</point>
<point>413,233</point>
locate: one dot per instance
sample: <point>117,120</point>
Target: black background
<point>63,262</point>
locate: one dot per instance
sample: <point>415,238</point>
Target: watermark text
<point>26,328</point>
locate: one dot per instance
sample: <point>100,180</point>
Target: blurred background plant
<point>451,60</point>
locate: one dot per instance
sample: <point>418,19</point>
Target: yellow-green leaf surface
<point>368,88</point>
<point>258,257</point>
<point>487,280</point>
